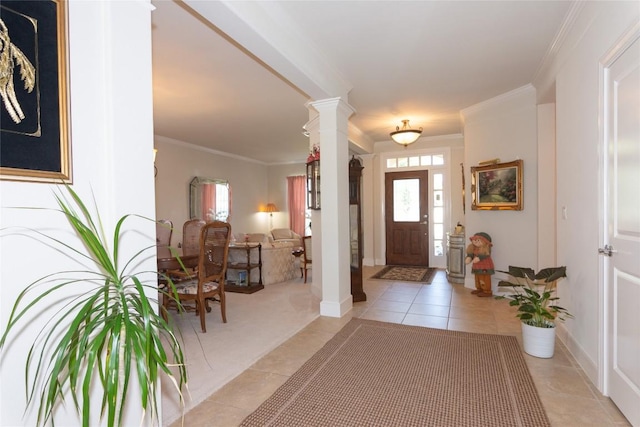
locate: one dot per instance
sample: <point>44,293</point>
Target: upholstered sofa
<point>286,235</point>
<point>278,263</point>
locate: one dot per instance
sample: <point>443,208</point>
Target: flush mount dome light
<point>406,135</point>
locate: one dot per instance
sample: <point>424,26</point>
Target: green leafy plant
<point>534,294</point>
<point>107,331</point>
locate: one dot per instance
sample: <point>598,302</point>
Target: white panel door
<point>622,253</point>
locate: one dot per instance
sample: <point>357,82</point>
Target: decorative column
<point>331,233</point>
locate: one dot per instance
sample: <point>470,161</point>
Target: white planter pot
<point>538,342</point>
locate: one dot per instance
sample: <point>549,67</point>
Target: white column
<point>333,227</point>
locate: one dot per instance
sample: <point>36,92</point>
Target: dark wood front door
<point>406,218</point>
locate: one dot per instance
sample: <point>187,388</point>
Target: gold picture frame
<point>34,116</point>
<point>497,186</point>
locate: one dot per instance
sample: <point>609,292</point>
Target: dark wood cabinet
<point>313,184</point>
<point>355,228</point>
<point>244,284</point>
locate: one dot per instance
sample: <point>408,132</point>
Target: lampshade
<point>271,208</point>
<point>406,135</point>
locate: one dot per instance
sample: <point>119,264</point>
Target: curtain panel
<point>296,193</point>
<point>208,202</point>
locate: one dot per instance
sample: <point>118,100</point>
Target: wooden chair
<point>191,236</point>
<point>190,246</point>
<point>306,256</point>
<point>212,266</point>
<point>164,230</point>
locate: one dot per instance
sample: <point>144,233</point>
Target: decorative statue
<point>479,254</point>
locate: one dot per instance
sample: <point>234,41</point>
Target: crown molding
<point>559,39</point>
<point>195,147</point>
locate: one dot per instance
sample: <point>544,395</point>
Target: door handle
<point>607,250</point>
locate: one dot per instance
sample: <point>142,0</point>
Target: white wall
<point>546,186</point>
<point>575,73</point>
<point>178,162</point>
<point>111,141</point>
<point>505,128</point>
<point>253,185</point>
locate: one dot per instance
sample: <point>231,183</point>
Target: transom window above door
<point>415,161</point>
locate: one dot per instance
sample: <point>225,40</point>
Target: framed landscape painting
<point>34,110</point>
<point>497,186</point>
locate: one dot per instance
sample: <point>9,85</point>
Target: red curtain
<point>296,193</point>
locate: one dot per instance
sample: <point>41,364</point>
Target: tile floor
<point>568,396</point>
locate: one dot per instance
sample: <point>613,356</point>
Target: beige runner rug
<point>383,374</point>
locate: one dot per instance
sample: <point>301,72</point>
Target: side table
<point>251,263</point>
<point>297,252</point>
<point>455,257</point>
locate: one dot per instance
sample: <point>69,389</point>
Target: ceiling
<point>418,60</point>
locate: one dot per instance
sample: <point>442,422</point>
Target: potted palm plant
<point>105,334</point>
<point>534,295</point>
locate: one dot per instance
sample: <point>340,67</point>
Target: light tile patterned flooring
<point>568,396</point>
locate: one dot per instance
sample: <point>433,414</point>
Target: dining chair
<point>164,230</point>
<point>210,275</point>
<point>191,236</point>
<point>306,256</point>
<point>190,245</point>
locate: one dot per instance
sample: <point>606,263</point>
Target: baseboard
<point>588,366</point>
<point>335,308</point>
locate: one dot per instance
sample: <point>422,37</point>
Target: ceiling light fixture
<point>406,135</point>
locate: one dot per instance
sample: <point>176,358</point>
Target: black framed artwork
<point>34,107</point>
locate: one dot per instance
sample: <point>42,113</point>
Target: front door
<point>407,218</point>
<point>622,232</point>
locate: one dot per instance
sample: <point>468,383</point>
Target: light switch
<point>564,212</point>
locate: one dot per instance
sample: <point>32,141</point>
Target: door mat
<point>384,374</point>
<point>406,273</point>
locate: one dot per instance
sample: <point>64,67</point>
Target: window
<point>437,216</point>
<point>406,200</point>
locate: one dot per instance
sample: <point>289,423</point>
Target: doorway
<point>407,218</point>
<point>621,225</point>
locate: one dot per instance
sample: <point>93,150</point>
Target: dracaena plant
<point>105,332</point>
<point>534,294</point>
